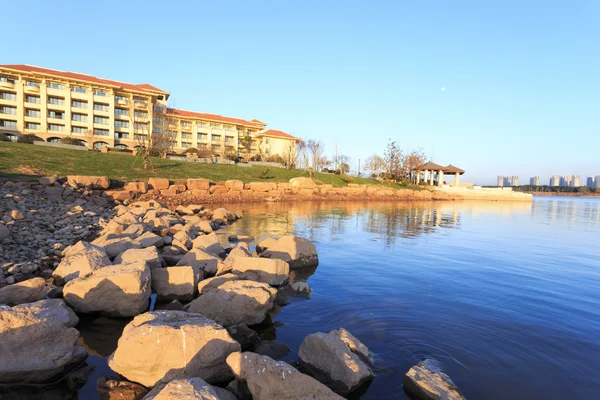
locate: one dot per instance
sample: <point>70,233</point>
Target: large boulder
<point>206,285</point>
<point>54,309</point>
<point>24,292</point>
<point>236,302</point>
<point>191,388</point>
<point>149,239</point>
<point>157,347</point>
<point>261,186</point>
<point>264,243</point>
<point>224,215</point>
<point>297,251</point>
<point>234,184</point>
<point>303,183</point>
<point>121,291</point>
<point>195,184</point>
<point>80,260</point>
<point>201,260</point>
<point>149,255</point>
<point>176,283</point>
<point>113,245</point>
<point>268,379</point>
<point>210,243</point>
<point>326,357</point>
<point>274,272</point>
<point>90,182</point>
<point>35,347</point>
<point>246,337</point>
<point>427,382</point>
<point>158,183</point>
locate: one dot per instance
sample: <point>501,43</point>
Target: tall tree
<point>393,160</point>
<point>375,165</point>
<point>246,142</point>
<point>412,161</point>
<point>160,140</point>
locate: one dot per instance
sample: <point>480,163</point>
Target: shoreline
<point>560,194</point>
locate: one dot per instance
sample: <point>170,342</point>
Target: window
<point>202,136</point>
<point>121,111</point>
<point>187,136</point>
<point>139,126</point>
<point>159,109</point>
<point>80,117</point>
<point>32,99</point>
<point>55,127</point>
<point>185,145</point>
<point>217,127</point>
<point>120,135</point>
<point>101,107</point>
<point>121,98</point>
<point>33,113</point>
<point>78,129</point>
<point>32,83</point>
<point>215,138</point>
<point>202,146</point>
<point>121,124</point>
<point>101,120</point>
<point>137,100</point>
<point>32,126</point>
<point>8,96</point>
<point>186,125</point>
<point>229,128</point>
<point>100,132</point>
<point>54,85</point>
<point>8,124</point>
<point>139,138</point>
<point>79,89</point>
<point>156,131</point>
<point>202,125</point>
<point>140,114</point>
<point>79,104</point>
<point>56,114</point>
<point>56,100</point>
<point>8,110</point>
<point>7,79</point>
<point>266,140</point>
<point>228,139</point>
<point>100,93</point>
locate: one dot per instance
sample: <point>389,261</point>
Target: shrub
<point>4,137</point>
<point>191,150</point>
<point>29,138</point>
<point>71,141</point>
<point>276,158</point>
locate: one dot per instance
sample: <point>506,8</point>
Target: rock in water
<point>115,389</point>
<point>427,382</point>
<point>24,292</point>
<point>236,302</point>
<point>35,347</point>
<point>328,358</point>
<point>192,388</point>
<point>298,252</point>
<point>119,290</point>
<point>268,379</point>
<point>246,337</point>
<point>80,260</point>
<point>209,284</point>
<point>160,346</point>
<point>273,272</point>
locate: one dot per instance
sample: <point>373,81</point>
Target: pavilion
<point>430,169</point>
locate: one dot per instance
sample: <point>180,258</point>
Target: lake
<point>506,296</point>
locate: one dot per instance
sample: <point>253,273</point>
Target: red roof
<point>215,117</point>
<point>81,77</point>
<point>258,122</point>
<point>279,134</point>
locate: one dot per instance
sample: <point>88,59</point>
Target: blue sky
<point>521,78</point>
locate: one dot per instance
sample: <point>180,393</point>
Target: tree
<point>246,143</point>
<point>158,142</point>
<point>412,161</point>
<point>316,150</point>
<point>375,165</point>
<point>393,160</point>
<point>290,154</point>
<point>303,160</point>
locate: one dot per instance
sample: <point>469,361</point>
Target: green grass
<point>20,162</point>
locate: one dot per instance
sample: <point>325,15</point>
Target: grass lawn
<point>20,162</point>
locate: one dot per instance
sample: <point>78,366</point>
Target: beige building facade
<point>100,113</point>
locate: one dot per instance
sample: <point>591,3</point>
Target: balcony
<point>122,102</point>
<point>186,127</point>
<point>7,85</point>
<point>32,89</point>
<point>140,105</point>
<point>79,95</point>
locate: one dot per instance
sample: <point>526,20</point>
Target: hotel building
<point>100,113</point>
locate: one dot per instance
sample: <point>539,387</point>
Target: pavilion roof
<point>451,169</point>
<point>431,166</point>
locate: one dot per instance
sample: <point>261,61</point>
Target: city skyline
<point>574,180</point>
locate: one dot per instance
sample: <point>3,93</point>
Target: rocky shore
<point>71,251</point>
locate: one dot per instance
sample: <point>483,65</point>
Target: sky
<point>493,87</point>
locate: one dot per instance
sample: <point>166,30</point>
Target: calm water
<point>505,295</point>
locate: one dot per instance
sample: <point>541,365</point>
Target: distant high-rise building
<point>500,181</point>
<point>565,181</point>
<point>534,181</point>
<point>515,180</point>
<point>575,181</point>
<point>555,180</point>
<point>597,181</point>
<point>590,181</point>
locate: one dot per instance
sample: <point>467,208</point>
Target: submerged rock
<point>159,346</point>
<point>296,251</point>
<point>427,382</point>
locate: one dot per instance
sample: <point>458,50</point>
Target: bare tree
<point>393,160</point>
<point>155,143</point>
<point>316,150</point>
<point>413,161</point>
<point>290,154</point>
<point>375,165</point>
<point>303,155</point>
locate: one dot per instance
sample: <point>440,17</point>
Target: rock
<point>149,255</point>
<point>149,239</point>
<point>427,382</point>
<point>173,305</point>
<point>234,184</point>
<point>272,348</point>
<point>158,183</point>
<point>326,357</point>
<point>241,238</point>
<point>116,244</point>
<point>355,346</point>
<point>265,243</point>
<point>119,290</point>
<point>181,210</point>
<point>239,389</point>
<point>175,283</point>
<point>205,227</point>
<point>55,309</point>
<point>34,347</point>
<point>246,337</point>
<point>135,230</point>
<point>236,302</point>
<point>301,287</point>
<point>224,394</point>
<point>261,186</point>
<point>24,292</point>
<point>116,389</point>
<point>303,183</point>
<point>4,233</point>
<point>210,243</point>
<point>17,215</point>
<point>48,180</point>
<point>298,252</point>
<point>241,250</point>
<point>224,214</point>
<point>272,271</point>
<point>160,346</point>
<point>191,388</point>
<point>140,187</point>
<point>206,285</point>
<point>268,379</point>
<point>80,260</point>
<point>90,182</point>
<point>200,259</point>
<point>201,184</point>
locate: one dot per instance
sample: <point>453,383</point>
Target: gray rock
<point>427,382</point>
